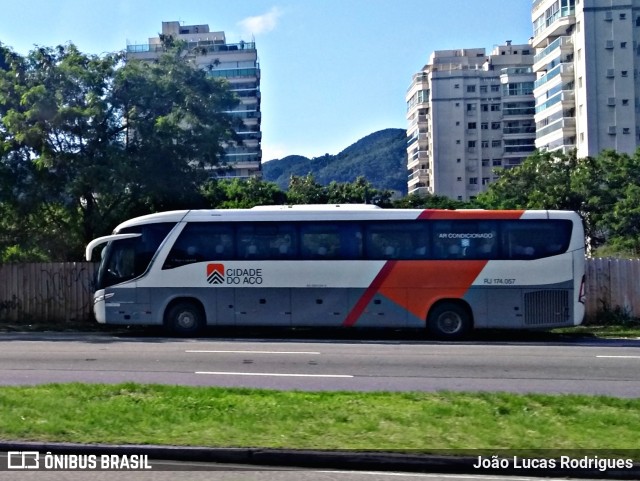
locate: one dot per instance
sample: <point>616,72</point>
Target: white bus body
<point>362,266</point>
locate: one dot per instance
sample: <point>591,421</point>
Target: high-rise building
<point>235,62</point>
<point>469,113</point>
<point>587,62</point>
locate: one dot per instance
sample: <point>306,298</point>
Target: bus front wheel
<point>449,321</point>
<point>184,319</point>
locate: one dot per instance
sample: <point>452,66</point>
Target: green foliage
<point>90,141</point>
<point>414,201</point>
<point>543,181</point>
<point>241,193</point>
<point>605,190</point>
<point>305,190</point>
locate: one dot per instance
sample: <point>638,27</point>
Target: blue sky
<point>333,71</point>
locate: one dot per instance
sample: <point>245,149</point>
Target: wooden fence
<point>61,292</point>
<point>613,285</point>
<point>51,292</point>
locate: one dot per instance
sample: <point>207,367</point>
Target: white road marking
<point>309,353</point>
<point>274,374</point>
<point>619,357</point>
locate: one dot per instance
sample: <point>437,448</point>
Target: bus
<point>447,271</point>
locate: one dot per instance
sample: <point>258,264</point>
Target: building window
<point>623,44</point>
<point>484,108</point>
<point>495,107</point>
<point>485,145</point>
<point>471,107</point>
<point>497,162</point>
<point>496,143</point>
<point>624,73</point>
<point>626,130</point>
<point>483,89</point>
<point>473,181</point>
<point>495,88</point>
<point>625,101</point>
<point>484,126</point>
<point>456,86</point>
<point>471,88</point>
<point>471,144</point>
<point>471,126</point>
<point>459,179</point>
<point>623,16</point>
<point>495,125</point>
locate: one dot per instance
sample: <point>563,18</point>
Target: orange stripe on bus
<point>371,291</point>
<point>427,281</point>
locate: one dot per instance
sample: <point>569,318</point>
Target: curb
<point>341,460</point>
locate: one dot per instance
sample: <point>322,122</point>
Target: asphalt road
<point>256,475</point>
<point>589,367</point>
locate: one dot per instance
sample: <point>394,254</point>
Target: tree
<point>610,185</point>
<point>542,181</point>
<point>305,190</point>
<point>358,192</point>
<point>91,140</point>
<point>429,201</point>
<point>241,193</point>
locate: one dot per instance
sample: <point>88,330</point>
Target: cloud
<point>261,23</point>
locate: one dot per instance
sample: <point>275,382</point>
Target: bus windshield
<point>126,259</point>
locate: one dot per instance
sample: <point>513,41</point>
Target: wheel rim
<point>450,322</point>
<point>186,320</point>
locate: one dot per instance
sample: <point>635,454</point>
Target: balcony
<point>519,130</point>
<point>564,43</point>
<point>419,174</point>
<point>204,46</point>
<point>553,26</point>
<point>566,124</point>
<point>565,70</point>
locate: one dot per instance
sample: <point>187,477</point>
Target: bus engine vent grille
<point>546,307</point>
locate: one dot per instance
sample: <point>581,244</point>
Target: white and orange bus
<point>344,265</point>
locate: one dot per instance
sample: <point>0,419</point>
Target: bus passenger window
<point>320,241</point>
<point>200,242</point>
<point>466,239</point>
<point>533,239</point>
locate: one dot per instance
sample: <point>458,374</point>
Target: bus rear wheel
<point>449,321</point>
<point>184,319</point>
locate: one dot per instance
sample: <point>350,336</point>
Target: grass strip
<point>219,417</point>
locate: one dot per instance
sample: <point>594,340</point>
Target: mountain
<point>381,158</point>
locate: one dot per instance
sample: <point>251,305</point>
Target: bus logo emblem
<point>215,273</point>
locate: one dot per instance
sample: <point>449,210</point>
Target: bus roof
<point>336,212</point>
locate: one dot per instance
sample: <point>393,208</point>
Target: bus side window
<point>201,242</point>
<point>536,238</point>
<point>320,241</point>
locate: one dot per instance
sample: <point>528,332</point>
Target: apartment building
<point>469,113</point>
<point>587,60</point>
<point>235,62</point>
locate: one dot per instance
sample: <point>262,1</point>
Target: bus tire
<point>449,321</point>
<point>184,319</point>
